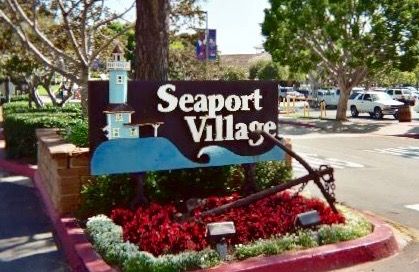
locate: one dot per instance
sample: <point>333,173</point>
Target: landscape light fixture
<point>217,233</point>
<point>307,219</point>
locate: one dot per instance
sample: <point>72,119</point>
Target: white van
<point>331,96</point>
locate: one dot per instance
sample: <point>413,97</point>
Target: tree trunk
<point>34,97</point>
<point>152,54</point>
<point>343,102</point>
<point>84,78</point>
<point>46,83</point>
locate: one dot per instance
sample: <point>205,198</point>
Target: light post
<point>206,36</point>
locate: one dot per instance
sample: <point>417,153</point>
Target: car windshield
<point>353,96</point>
<point>381,96</point>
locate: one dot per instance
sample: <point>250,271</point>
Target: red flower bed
<point>155,230</point>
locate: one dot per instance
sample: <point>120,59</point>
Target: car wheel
<point>371,114</point>
<point>396,115</point>
<point>354,111</point>
<point>378,114</point>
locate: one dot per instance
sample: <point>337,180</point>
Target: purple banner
<point>201,46</point>
<point>212,44</point>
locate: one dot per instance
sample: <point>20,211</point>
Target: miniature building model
<point>118,112</point>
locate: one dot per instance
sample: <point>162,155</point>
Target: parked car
<point>289,92</point>
<point>402,94</point>
<point>416,107</point>
<point>329,96</point>
<point>376,104</point>
<point>305,92</point>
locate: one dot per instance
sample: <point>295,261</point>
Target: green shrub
<point>176,185</point>
<point>22,97</point>
<point>271,173</point>
<point>202,182</point>
<point>20,123</point>
<point>14,107</point>
<point>99,195</point>
<point>78,133</point>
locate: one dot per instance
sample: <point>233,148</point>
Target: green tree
<point>61,35</point>
<point>349,39</point>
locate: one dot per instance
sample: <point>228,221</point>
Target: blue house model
<point>118,112</point>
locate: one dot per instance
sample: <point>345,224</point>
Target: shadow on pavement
<point>26,241</point>
<point>306,126</point>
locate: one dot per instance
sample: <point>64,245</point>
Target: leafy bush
<point>20,123</point>
<point>271,173</point>
<point>78,133</point>
<point>177,185</point>
<point>102,194</point>
<point>23,97</point>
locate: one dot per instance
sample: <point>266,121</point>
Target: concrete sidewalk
<point>26,239</point>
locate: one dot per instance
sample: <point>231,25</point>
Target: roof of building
<point>244,60</point>
<point>112,108</point>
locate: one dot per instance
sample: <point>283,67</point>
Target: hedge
<point>20,123</point>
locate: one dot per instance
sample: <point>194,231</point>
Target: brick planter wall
<point>63,168</point>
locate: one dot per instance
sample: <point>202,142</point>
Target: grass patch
<point>43,92</point>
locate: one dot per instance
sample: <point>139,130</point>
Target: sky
<point>237,22</point>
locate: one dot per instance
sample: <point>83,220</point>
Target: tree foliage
<point>64,36</point>
<point>183,64</point>
<point>349,39</point>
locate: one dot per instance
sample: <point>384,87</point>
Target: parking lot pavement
<point>26,239</point>
<point>296,124</point>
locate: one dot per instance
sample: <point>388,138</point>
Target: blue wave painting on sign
<point>158,153</point>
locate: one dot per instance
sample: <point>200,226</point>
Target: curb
<point>17,168</point>
<point>379,244</point>
<point>81,256</point>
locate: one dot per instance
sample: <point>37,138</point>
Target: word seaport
<point>215,127</point>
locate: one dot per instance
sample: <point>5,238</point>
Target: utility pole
<point>206,36</point>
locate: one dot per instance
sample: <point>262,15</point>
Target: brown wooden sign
<point>191,114</point>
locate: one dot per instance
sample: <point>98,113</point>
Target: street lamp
<point>218,232</point>
<point>206,35</point>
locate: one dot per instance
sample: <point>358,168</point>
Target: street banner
<point>201,46</point>
<point>212,45</point>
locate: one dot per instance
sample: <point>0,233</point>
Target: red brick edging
<point>82,257</point>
